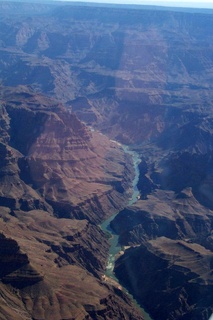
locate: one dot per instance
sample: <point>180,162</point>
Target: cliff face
<point>180,273</point>
<point>53,162</point>
<point>170,259</point>
<point>170,208</point>
<point>175,216</point>
<point>112,66</point>
<point>52,269</point>
<point>58,180</point>
<point>143,77</point>
<point>15,268</point>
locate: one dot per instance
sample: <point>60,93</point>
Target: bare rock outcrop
<point>180,274</point>
<point>53,162</point>
<point>52,269</point>
<point>58,180</point>
<point>164,214</point>
<point>141,77</point>
<point>15,268</point>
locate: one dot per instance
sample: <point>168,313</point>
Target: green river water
<point>115,248</point>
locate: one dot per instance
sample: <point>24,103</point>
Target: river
<point>115,248</point>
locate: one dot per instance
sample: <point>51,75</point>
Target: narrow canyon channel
<point>115,248</point>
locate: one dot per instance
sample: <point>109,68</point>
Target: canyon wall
<point>143,77</point>
<point>58,181</point>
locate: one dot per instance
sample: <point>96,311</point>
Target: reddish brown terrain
<point>79,173</point>
<point>180,273</point>
<point>58,181</point>
<point>52,269</point>
<point>74,76</point>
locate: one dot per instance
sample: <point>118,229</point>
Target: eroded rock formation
<point>52,161</point>
<point>58,180</point>
<point>61,274</point>
<point>141,77</point>
<point>180,273</point>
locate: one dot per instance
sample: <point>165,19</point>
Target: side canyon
<point>77,82</point>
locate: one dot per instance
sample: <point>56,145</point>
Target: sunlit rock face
<point>180,274</point>
<point>59,180</point>
<point>54,162</point>
<point>113,66</point>
<point>51,269</point>
<point>143,78</point>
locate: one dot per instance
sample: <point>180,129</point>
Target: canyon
<point>58,181</point>
<point>78,81</point>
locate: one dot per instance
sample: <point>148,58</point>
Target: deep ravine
<point>115,248</point>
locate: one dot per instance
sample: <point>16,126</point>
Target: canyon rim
<point>78,81</point>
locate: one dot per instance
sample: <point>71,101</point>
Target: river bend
<point>115,248</point>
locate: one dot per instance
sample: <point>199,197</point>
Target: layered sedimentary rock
<point>172,207</point>
<point>58,180</point>
<point>15,268</point>
<point>111,65</point>
<point>180,274</point>
<point>52,269</point>
<point>175,216</point>
<point>52,161</point>
<point>142,77</point>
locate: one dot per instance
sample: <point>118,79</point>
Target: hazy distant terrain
<point>77,80</point>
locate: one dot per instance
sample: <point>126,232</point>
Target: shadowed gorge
<point>58,181</point>
<point>77,82</point>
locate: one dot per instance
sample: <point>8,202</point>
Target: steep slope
<point>144,78</point>
<point>48,266</point>
<point>176,203</point>
<point>180,273</point>
<point>175,216</point>
<point>58,180</point>
<point>59,161</point>
<point>111,65</point>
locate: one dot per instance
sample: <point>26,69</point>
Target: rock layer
<point>164,214</point>
<point>58,180</point>
<point>54,270</point>
<point>141,77</point>
<point>53,162</point>
<point>180,273</point>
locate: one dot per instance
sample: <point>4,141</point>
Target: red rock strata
<point>58,180</point>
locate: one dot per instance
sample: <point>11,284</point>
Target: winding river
<point>115,248</point>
